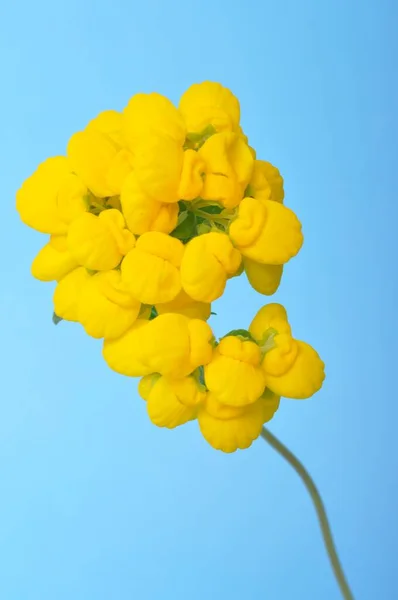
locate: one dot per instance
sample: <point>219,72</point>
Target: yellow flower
<point>152,114</point>
<point>208,261</point>
<point>229,166</point>
<point>185,305</point>
<point>151,269</point>
<point>51,197</point>
<point>210,103</point>
<point>54,260</point>
<point>266,182</point>
<point>142,213</point>
<point>106,309</point>
<point>234,375</point>
<point>170,344</point>
<point>109,123</point>
<point>68,292</point>
<point>265,279</point>
<point>266,231</point>
<point>171,402</point>
<point>229,428</point>
<point>292,368</point>
<point>99,243</point>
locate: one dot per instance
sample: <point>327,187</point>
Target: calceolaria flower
<point>148,216</point>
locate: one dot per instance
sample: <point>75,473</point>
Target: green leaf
<point>212,209</point>
<point>154,313</point>
<point>241,333</point>
<point>56,319</point>
<point>186,229</point>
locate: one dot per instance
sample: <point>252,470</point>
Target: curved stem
<point>319,507</point>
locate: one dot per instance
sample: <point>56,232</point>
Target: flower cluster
<point>149,214</point>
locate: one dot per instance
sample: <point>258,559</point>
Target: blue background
<point>95,502</point>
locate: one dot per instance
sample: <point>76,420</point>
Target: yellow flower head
<point>207,263</point>
<point>185,305</point>
<point>54,260</point>
<point>229,167</point>
<point>293,368</point>
<point>265,279</point>
<point>105,308</point>
<point>171,402</point>
<point>68,292</point>
<point>100,242</point>
<point>210,103</point>
<point>229,428</point>
<point>170,344</point>
<point>151,270</point>
<point>51,197</point>
<point>235,375</point>
<point>266,231</point>
<point>266,182</point>
<point>142,213</point>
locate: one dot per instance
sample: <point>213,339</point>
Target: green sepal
<point>186,228</point>
<point>243,334</point>
<point>56,319</point>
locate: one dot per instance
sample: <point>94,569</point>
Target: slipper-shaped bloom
<point>292,368</point>
<point>151,270</point>
<point>229,167</point>
<point>266,182</point>
<point>100,242</point>
<point>185,305</point>
<point>265,279</point>
<point>235,375</point>
<point>106,309</point>
<point>170,344</point>
<point>208,261</point>
<point>142,213</point>
<point>54,260</point>
<point>51,197</point>
<point>209,103</point>
<point>171,402</point>
<point>265,231</point>
<point>68,292</point>
<point>229,428</point>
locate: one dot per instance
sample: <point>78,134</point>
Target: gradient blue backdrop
<point>95,502</point>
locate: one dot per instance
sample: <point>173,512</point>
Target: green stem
<point>319,507</point>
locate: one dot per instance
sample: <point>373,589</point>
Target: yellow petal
<point>53,261</point>
<point>276,242</point>
<point>173,402</point>
<point>303,379</point>
<point>271,316</point>
<point>110,123</point>
<point>126,355</point>
<point>233,429</point>
<point>68,292</point>
<point>151,269</point>
<point>234,375</point>
<point>51,197</point>
<point>209,103</point>
<point>185,305</point>
<point>266,182</point>
<point>119,169</point>
<point>192,175</point>
<point>146,383</point>
<point>99,243</point>
<point>208,261</point>
<point>142,213</point>
<point>265,279</point>
<point>152,114</point>
<point>106,309</point>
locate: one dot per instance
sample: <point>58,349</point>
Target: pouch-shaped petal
<point>303,379</point>
<point>265,279</point>
<point>151,269</point>
<point>235,375</point>
<point>229,166</point>
<point>126,354</point>
<point>110,123</point>
<point>271,316</point>
<point>173,402</point>
<point>228,428</point>
<point>208,261</point>
<point>185,305</point>
<point>51,197</point>
<point>68,292</point>
<point>209,103</point>
<point>152,114</point>
<point>54,260</point>
<point>266,231</point>
<point>266,182</point>
<point>100,242</point>
<point>142,213</point>
<point>106,309</point>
